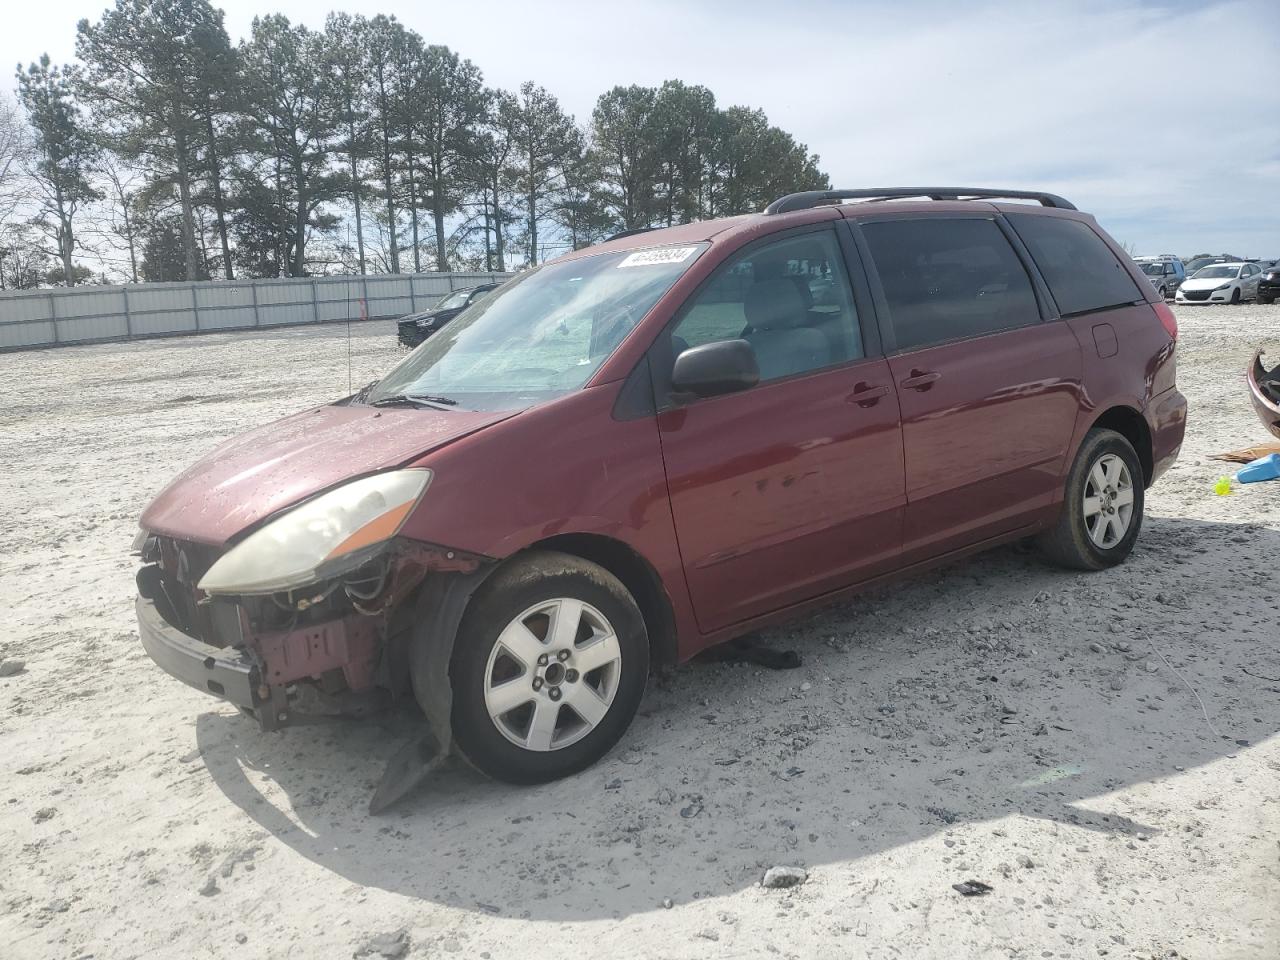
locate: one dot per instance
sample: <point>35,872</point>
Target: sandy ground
<point>1000,721</point>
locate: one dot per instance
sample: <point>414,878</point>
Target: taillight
<point>1167,319</point>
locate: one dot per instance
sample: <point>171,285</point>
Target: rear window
<point>1082,272</point>
<point>949,279</point>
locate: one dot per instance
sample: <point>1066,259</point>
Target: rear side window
<point>949,279</point>
<point>1082,272</point>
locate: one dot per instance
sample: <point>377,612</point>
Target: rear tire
<point>1102,506</point>
<point>548,669</point>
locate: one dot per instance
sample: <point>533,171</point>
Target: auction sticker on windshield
<point>647,258</point>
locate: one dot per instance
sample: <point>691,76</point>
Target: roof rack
<point>817,198</point>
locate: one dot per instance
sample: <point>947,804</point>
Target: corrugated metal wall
<point>65,315</point>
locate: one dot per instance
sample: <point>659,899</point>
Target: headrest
<point>806,292</point>
<point>774,305</point>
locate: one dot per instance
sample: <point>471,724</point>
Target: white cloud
<point>1157,117</point>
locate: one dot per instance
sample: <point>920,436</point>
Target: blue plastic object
<point>1264,468</point>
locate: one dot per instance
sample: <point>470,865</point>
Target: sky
<point>1158,116</point>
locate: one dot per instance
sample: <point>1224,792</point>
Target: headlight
<point>1223,286</point>
<point>320,538</point>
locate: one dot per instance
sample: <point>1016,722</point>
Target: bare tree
<point>15,151</point>
<point>114,220</point>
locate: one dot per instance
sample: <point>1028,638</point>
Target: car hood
<point>259,473</point>
<point>1208,284</point>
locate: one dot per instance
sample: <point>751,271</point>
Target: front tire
<point>1235,296</point>
<point>1102,508</point>
<point>548,669</point>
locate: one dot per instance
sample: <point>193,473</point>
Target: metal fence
<point>66,315</point>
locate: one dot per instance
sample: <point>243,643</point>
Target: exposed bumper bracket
<point>226,673</point>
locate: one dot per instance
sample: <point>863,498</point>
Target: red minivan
<point>662,442</point>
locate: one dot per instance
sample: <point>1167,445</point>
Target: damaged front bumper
<point>1264,391</point>
<point>287,658</point>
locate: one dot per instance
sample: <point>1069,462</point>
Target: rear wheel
<point>1102,508</point>
<point>548,669</point>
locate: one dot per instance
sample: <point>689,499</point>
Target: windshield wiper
<point>416,398</point>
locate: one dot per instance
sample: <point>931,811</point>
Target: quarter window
<point>948,279</point>
<point>789,299</point>
<point>1080,269</point>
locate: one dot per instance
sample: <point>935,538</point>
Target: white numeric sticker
<point>658,255</point>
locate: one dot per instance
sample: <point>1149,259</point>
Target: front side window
<point>789,299</point>
<point>1082,273</point>
<point>949,279</point>
<point>540,336</point>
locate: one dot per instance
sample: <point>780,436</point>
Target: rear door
<point>792,488</point>
<point>989,391</point>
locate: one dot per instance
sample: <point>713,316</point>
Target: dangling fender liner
<point>441,604</point>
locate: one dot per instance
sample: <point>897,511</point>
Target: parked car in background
<point>1165,272</point>
<point>1199,263</point>
<point>1221,283</point>
<point>416,327</point>
<point>1269,283</point>
<point>660,443</point>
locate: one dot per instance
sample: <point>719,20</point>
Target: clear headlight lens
<point>319,538</point>
<point>1223,286</point>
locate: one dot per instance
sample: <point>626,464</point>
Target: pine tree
<point>64,155</point>
<point>150,72</point>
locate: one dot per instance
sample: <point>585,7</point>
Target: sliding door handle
<point>920,380</point>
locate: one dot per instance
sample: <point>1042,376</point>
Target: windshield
<point>540,336</point>
<point>1221,271</point>
<point>453,300</point>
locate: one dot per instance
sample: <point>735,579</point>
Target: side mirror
<point>724,366</point>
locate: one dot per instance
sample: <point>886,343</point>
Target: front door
<point>794,487</point>
<point>989,392</point>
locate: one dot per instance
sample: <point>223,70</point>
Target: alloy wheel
<point>552,674</point>
<point>1108,501</point>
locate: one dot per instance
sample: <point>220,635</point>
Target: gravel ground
<point>1000,721</point>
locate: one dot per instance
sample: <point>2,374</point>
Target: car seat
<point>776,316</point>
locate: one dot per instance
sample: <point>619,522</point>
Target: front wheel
<point>548,668</point>
<point>1235,295</point>
<point>1102,508</point>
